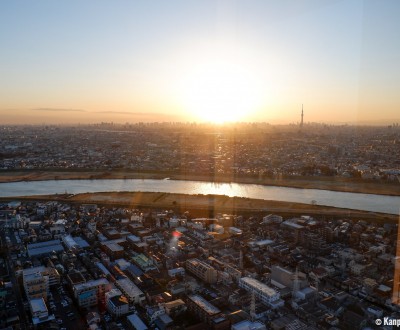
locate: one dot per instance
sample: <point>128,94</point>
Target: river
<point>356,201</point>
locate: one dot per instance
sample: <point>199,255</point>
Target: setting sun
<point>221,91</point>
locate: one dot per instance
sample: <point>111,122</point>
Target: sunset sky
<point>127,61</point>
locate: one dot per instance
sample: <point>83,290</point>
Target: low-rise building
<point>130,291</point>
<point>39,312</point>
<point>117,304</point>
<point>44,248</point>
<point>91,293</point>
<point>180,271</point>
<point>136,323</point>
<point>174,307</point>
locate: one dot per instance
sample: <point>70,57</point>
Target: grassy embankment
<point>209,205</point>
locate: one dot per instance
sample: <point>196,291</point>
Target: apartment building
<point>91,293</point>
<point>262,291</point>
<point>36,284</point>
<point>202,270</point>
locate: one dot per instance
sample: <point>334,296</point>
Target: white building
<point>38,308</point>
<point>52,274</point>
<point>262,291</point>
<point>36,285</point>
<point>39,311</point>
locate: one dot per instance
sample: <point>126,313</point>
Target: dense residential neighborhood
<point>80,266</point>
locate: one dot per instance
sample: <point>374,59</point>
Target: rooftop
<point>90,284</point>
<point>38,305</point>
<point>37,249</point>
<point>137,322</point>
<point>128,287</point>
<point>265,289</point>
<point>119,300</point>
<point>205,305</point>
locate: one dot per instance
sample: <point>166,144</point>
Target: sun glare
<point>221,91</point>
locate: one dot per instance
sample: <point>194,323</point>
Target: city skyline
<point>69,63</point>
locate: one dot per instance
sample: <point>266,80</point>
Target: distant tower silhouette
<point>302,116</point>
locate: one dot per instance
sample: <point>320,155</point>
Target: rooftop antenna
<point>253,306</point>
<point>241,259</point>
<point>296,284</point>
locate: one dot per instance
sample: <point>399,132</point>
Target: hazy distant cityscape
<point>252,150</point>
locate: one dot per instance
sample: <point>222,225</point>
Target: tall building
<point>48,276</point>
<point>202,270</point>
<point>36,285</point>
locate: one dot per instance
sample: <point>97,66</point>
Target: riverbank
<point>324,183</point>
<point>209,205</point>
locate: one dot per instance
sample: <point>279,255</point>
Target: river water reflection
<point>357,201</point>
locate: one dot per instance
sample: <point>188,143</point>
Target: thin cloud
<point>131,113</point>
<point>59,110</point>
